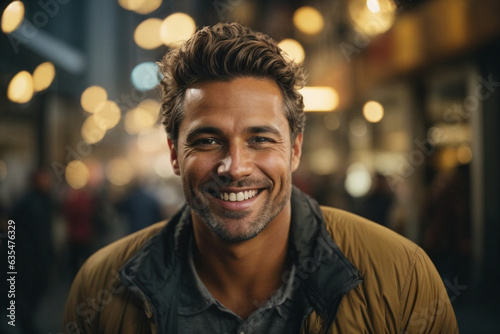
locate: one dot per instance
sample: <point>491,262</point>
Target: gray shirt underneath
<point>200,312</point>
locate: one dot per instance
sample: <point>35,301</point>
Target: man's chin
<point>233,226</point>
<point>230,236</point>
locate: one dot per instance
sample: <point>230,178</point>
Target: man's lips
<point>235,199</point>
<point>237,196</point>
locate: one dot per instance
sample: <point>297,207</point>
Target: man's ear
<point>296,152</point>
<point>173,157</point>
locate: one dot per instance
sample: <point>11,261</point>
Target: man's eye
<point>206,142</point>
<point>261,140</point>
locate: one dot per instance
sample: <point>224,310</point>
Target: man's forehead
<point>236,105</point>
<point>245,91</point>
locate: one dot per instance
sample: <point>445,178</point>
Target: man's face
<point>235,156</point>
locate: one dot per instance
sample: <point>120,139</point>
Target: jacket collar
<point>325,273</point>
<point>154,272</point>
<point>322,271</point>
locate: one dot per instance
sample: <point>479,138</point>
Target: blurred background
<point>403,109</point>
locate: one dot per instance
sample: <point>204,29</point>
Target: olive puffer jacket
<point>358,276</point>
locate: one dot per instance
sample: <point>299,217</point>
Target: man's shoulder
<point>400,283</point>
<point>114,255</point>
<point>360,239</point>
<point>97,288</point>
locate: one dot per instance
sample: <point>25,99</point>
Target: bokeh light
<point>358,127</point>
<point>142,117</point>
<point>373,111</point>
<point>131,4</point>
<point>323,161</point>
<point>163,166</point>
<point>358,180</point>
<point>119,172</point>
<point>92,132</point>
<point>151,108</point>
<point>147,34</point>
<point>446,158</point>
<point>43,75</point>
<point>152,140</point>
<point>464,154</point>
<point>145,76</point>
<point>319,98</point>
<point>133,123</point>
<point>92,97</point>
<point>292,50</point>
<point>436,134</point>
<point>138,120</point>
<point>308,20</point>
<point>332,121</point>
<point>12,16</point>
<point>77,174</point>
<point>107,114</point>
<point>373,6</point>
<point>20,88</point>
<point>177,28</point>
<point>148,6</point>
<point>372,17</point>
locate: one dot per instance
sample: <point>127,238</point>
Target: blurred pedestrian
<point>32,215</point>
<point>79,210</point>
<point>139,208</point>
<point>446,223</point>
<point>378,202</point>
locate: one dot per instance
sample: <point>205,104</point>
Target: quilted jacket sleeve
<point>98,302</point>
<point>401,291</point>
<point>78,316</point>
<point>425,306</point>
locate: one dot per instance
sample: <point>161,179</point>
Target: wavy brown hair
<point>224,52</point>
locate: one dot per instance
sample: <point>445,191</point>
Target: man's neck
<point>243,275</point>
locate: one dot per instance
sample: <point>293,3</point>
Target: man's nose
<point>237,163</point>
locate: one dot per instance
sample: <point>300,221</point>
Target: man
<point>249,253</point>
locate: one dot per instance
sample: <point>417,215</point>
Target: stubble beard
<point>199,204</point>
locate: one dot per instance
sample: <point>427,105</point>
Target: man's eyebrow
<point>211,130</point>
<point>264,129</point>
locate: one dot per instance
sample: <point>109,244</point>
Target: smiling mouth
<point>237,196</point>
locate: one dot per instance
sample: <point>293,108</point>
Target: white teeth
<point>237,197</point>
